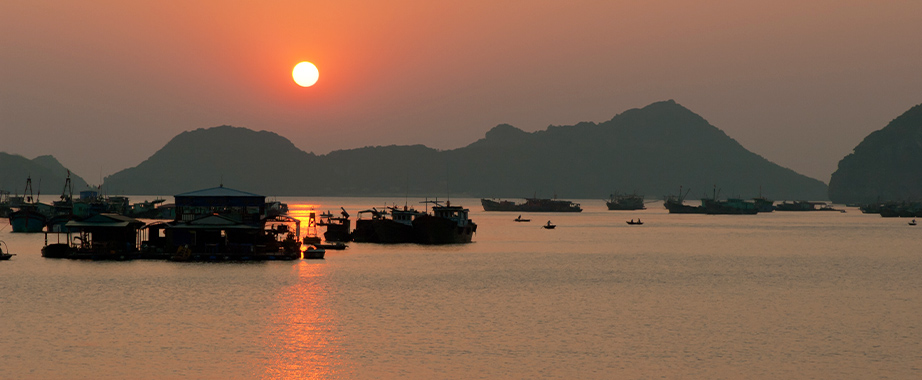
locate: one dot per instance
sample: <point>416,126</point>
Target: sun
<point>305,74</point>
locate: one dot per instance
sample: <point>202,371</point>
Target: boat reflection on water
<point>299,338</point>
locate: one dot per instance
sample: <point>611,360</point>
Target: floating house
<point>223,224</point>
<point>99,237</point>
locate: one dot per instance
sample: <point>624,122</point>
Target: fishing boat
<point>912,223</point>
<point>336,246</point>
<point>337,228</point>
<point>531,205</point>
<point>311,237</point>
<point>392,226</point>
<point>632,222</point>
<point>731,206</point>
<point>444,225</point>
<point>314,253</point>
<point>519,219</point>
<point>28,218</point>
<point>625,202</point>
<point>5,255</point>
<point>805,206</point>
<point>63,208</point>
<point>676,204</point>
<point>549,226</point>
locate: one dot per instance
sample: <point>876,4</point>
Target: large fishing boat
<point>531,205</point>
<point>445,225</point>
<point>805,206</point>
<point>676,204</point>
<point>337,228</point>
<point>63,208</point>
<point>28,217</point>
<point>625,202</point>
<point>392,226</point>
<point>731,206</point>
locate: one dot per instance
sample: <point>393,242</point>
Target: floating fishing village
<point>217,224</point>
<point>224,224</point>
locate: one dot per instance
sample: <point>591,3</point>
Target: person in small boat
<point>519,218</point>
<point>638,221</point>
<point>548,223</point>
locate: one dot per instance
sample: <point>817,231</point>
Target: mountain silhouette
<point>48,176</point>
<point>885,166</point>
<point>652,150</point>
<point>203,158</point>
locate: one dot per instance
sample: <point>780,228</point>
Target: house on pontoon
<point>224,224</point>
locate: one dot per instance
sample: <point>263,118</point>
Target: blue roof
<point>219,191</point>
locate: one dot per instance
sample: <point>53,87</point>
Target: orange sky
<point>102,85</point>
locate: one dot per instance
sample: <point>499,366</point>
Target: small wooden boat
<point>313,252</point>
<point>549,225</point>
<point>337,246</point>
<point>632,222</point>
<point>912,223</point>
<point>5,256</point>
<point>519,219</point>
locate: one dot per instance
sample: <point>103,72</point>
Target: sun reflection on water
<point>300,339</point>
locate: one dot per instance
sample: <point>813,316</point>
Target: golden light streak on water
<point>299,338</point>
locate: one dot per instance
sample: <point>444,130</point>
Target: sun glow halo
<point>305,74</point>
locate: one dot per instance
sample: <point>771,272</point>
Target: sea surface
<point>783,295</point>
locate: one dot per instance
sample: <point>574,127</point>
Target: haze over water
<point>779,295</point>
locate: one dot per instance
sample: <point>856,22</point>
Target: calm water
<point>782,295</point>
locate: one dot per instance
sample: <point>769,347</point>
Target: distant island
<point>48,176</point>
<point>885,167</point>
<point>652,150</point>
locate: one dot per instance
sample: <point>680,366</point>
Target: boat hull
<point>56,251</point>
<point>337,232</point>
<point>27,221</point>
<point>433,230</point>
<point>679,208</point>
<point>314,254</point>
<point>531,205</point>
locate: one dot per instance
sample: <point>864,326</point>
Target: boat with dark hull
<point>392,226</point>
<point>900,209</point>
<point>531,205</point>
<point>445,225</point>
<point>314,253</point>
<point>27,219</point>
<point>63,209</point>
<point>5,255</point>
<point>625,202</point>
<point>337,228</point>
<point>763,204</point>
<point>28,216</point>
<point>364,227</point>
<point>676,204</point>
<point>805,206</point>
<point>730,206</point>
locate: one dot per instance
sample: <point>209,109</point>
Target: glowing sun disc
<point>305,74</point>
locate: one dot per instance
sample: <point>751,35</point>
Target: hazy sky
<point>102,85</point>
